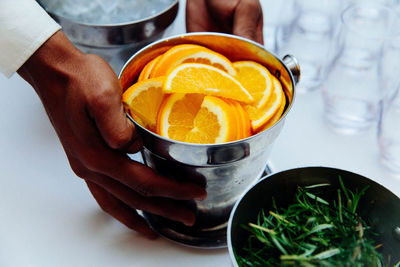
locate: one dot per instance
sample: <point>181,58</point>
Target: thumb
<point>116,129</point>
<point>248,20</point>
<point>108,113</point>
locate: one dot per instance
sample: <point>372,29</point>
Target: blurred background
<point>348,52</point>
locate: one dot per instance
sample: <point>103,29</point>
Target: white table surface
<point>48,217</point>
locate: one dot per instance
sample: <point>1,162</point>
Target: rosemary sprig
<point>312,232</point>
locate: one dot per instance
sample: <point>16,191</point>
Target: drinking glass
<point>390,59</point>
<point>311,39</point>
<point>276,25</point>
<point>382,2</point>
<point>351,93</point>
<point>388,133</point>
<point>389,63</point>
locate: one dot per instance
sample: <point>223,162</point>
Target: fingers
<point>146,182</point>
<point>104,105</point>
<point>120,211</point>
<point>248,20</point>
<point>96,156</point>
<point>239,17</point>
<point>259,31</point>
<point>173,210</point>
<point>198,17</point>
<point>108,113</point>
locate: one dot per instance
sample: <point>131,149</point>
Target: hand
<point>82,97</point>
<point>239,17</point>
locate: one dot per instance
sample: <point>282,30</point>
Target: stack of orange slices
<point>195,95</point>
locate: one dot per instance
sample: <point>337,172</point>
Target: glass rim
<point>368,6</point>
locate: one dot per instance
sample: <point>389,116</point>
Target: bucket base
<point>199,238</point>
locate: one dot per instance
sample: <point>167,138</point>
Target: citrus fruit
<point>205,79</point>
<point>243,121</point>
<point>148,68</point>
<point>246,125</point>
<point>189,53</point>
<point>176,115</point>
<point>260,116</point>
<point>143,100</point>
<point>275,117</point>
<point>239,124</point>
<point>214,123</point>
<point>287,88</point>
<point>256,79</point>
<point>195,118</point>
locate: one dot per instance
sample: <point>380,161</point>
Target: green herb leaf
<point>326,254</point>
<point>312,232</point>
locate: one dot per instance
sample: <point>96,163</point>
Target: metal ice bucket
<point>116,42</point>
<point>226,170</point>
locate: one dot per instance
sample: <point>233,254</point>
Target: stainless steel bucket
<point>116,42</point>
<point>226,170</point>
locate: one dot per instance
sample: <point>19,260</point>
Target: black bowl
<point>379,207</point>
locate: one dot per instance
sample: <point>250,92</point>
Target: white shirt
<point>24,27</point>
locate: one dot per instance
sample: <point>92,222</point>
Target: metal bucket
<point>116,42</point>
<point>379,207</point>
<point>226,170</point>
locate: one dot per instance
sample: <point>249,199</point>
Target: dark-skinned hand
<point>240,17</point>
<point>82,97</point>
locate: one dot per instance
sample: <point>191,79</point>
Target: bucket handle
<point>293,66</point>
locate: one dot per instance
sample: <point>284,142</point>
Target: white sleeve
<point>24,27</point>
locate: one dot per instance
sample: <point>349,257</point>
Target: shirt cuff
<point>24,26</point>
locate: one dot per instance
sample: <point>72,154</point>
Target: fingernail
<point>188,223</point>
<point>190,220</point>
<point>202,196</point>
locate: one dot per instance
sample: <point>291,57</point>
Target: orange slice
<point>276,116</point>
<point>246,125</point>
<point>205,79</point>
<point>148,68</point>
<point>260,116</point>
<point>214,123</point>
<point>194,118</point>
<point>256,79</point>
<point>239,124</point>
<point>176,115</point>
<point>188,53</point>
<point>143,100</point>
<point>287,88</point>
